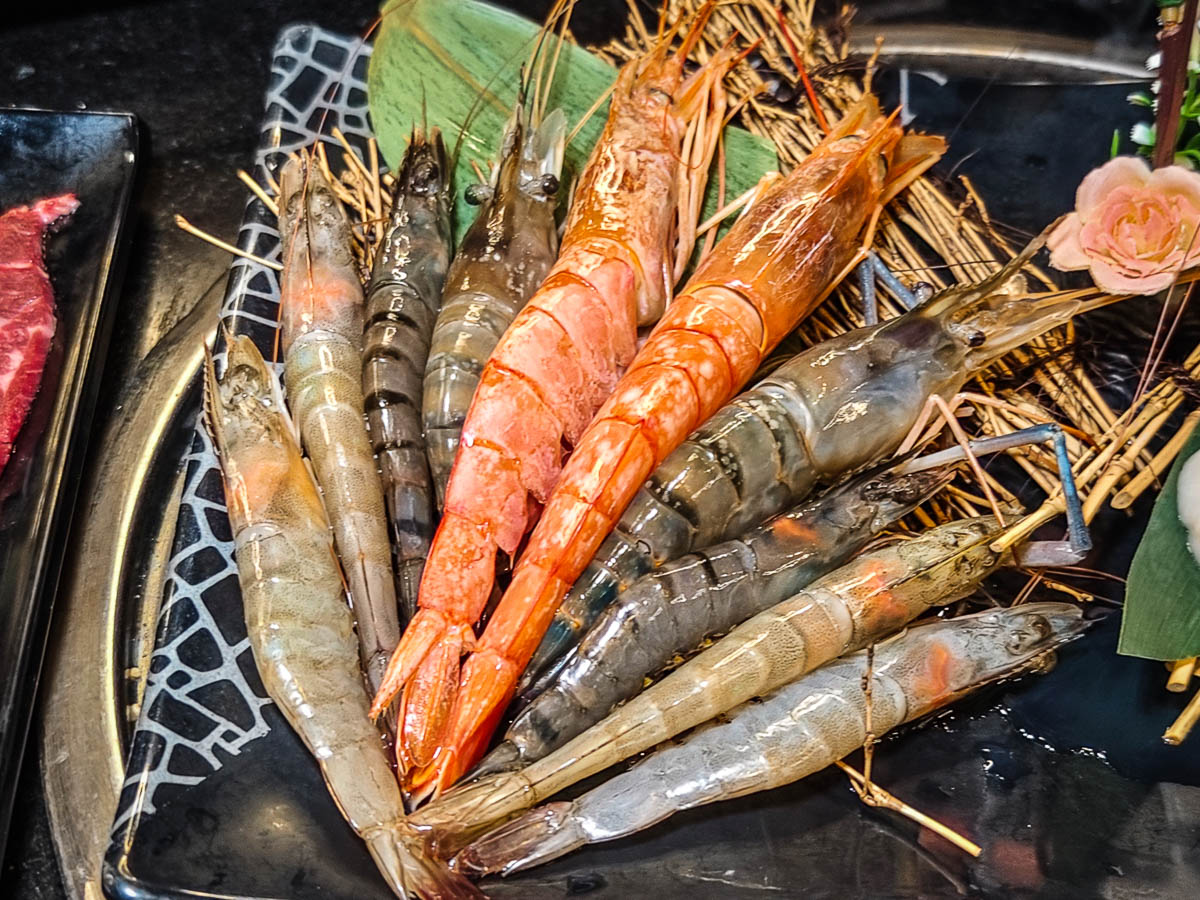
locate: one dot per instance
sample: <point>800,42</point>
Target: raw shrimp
<point>839,406</point>
<point>671,610</point>
<point>300,629</point>
<point>861,602</point>
<point>799,729</point>
<point>504,256</point>
<point>321,322</point>
<point>775,264</point>
<point>552,369</point>
<point>402,303</point>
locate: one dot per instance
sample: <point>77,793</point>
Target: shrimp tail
<point>469,810</point>
<point>400,854</point>
<point>542,834</point>
<point>490,682</point>
<point>426,703</point>
<point>913,156</point>
<point>422,639</point>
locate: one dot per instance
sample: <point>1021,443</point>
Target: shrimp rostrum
<point>300,629</point>
<point>833,409</point>
<point>851,607</point>
<point>790,734</point>
<point>671,610</point>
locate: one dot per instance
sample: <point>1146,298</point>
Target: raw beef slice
<point>26,310</point>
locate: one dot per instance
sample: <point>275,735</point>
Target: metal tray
<point>1070,799</point>
<point>43,153</point>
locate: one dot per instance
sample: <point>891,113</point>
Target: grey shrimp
<point>300,630</point>
<point>504,256</point>
<point>836,408</point>
<point>671,610</point>
<point>321,320</point>
<point>794,732</point>
<point>403,297</point>
<point>856,605</point>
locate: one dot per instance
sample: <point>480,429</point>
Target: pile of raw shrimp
<point>545,466</point>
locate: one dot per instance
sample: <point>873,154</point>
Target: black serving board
<point>1061,778</point>
<point>44,153</point>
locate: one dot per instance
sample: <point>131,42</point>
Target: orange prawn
<point>772,268</point>
<point>559,359</point>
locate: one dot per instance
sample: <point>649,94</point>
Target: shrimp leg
<point>792,733</point>
<point>321,322</point>
<point>299,627</point>
<point>849,608</point>
<point>671,610</point>
<point>402,301</point>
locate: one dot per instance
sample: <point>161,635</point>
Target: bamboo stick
<point>1181,673</point>
<point>1182,726</point>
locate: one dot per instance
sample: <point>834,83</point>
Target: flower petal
<point>1178,181</point>
<point>1066,253</point>
<point>1111,279</point>
<point>1099,183</point>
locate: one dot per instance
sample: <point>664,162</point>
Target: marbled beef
<point>26,310</point>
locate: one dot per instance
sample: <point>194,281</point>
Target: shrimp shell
<point>553,368</point>
<point>793,732</point>
<point>504,256</point>
<point>321,320</point>
<point>833,409</point>
<point>402,302</point>
<point>775,264</point>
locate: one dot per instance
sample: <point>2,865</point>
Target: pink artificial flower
<point>1135,228</point>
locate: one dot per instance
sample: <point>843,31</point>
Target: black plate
<point>44,153</point>
<point>1061,778</point>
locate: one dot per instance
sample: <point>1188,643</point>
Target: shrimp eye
<point>476,194</point>
<point>976,339</point>
<point>549,185</point>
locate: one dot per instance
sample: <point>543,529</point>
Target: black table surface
<point>194,72</point>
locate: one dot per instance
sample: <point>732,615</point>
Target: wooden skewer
<point>1181,673</point>
<point>1181,727</point>
<point>191,229</point>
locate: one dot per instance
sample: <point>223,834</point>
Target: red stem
<point>1174,43</point>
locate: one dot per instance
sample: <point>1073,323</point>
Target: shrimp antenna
<point>424,110</point>
<point>539,112</point>
<point>477,104</point>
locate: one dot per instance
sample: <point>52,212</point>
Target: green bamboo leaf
<point>1161,619</point>
<point>458,60</point>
